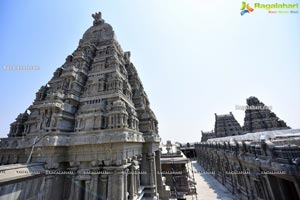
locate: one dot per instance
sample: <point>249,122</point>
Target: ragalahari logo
<point>246,8</point>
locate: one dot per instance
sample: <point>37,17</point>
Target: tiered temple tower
<point>206,135</point>
<point>258,117</point>
<point>226,125</point>
<point>93,115</point>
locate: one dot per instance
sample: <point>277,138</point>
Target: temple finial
<point>97,18</point>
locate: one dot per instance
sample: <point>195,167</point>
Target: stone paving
<point>208,188</point>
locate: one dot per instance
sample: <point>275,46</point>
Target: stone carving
<point>41,94</point>
<point>102,105</point>
<point>53,120</point>
<point>259,169</point>
<point>226,125</point>
<point>69,59</point>
<point>45,122</point>
<point>127,56</point>
<point>262,118</point>
<point>97,18</point>
<point>66,84</point>
<point>18,127</point>
<point>58,72</point>
<point>90,126</point>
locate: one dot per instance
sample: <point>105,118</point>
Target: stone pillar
<point>262,187</point>
<point>116,185</point>
<point>158,174</point>
<point>137,181</point>
<point>109,123</point>
<point>133,180</point>
<point>266,189</point>
<point>81,187</point>
<point>120,120</point>
<point>87,192</point>
<point>49,181</point>
<point>77,190</point>
<point>103,186</point>
<point>273,192</point>
<point>152,173</point>
<point>248,184</point>
<point>131,185</point>
<point>149,178</point>
<point>94,187</point>
<point>72,190</point>
<point>125,184</point>
<point>296,182</point>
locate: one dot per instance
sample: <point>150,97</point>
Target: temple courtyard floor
<point>208,188</point>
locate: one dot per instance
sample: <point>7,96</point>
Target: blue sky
<point>195,57</point>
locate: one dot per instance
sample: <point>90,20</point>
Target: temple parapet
<point>255,165</point>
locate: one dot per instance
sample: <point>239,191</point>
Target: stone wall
<point>254,170</point>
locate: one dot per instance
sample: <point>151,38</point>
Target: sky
<point>194,57</point>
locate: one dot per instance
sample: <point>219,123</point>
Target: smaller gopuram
<point>226,125</point>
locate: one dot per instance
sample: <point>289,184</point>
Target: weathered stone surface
<point>175,168</point>
<point>255,167</point>
<point>225,125</point>
<point>93,115</point>
<point>258,117</point>
<point>261,119</point>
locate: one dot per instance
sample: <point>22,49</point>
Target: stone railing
<point>265,150</point>
<point>253,170</point>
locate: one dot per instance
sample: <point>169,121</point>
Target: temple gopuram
<point>258,117</point>
<point>261,118</point>
<point>225,125</point>
<point>90,132</point>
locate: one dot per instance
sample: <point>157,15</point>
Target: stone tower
<point>97,88</point>
<point>93,115</point>
<point>206,135</point>
<point>258,117</point>
<point>227,125</point>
